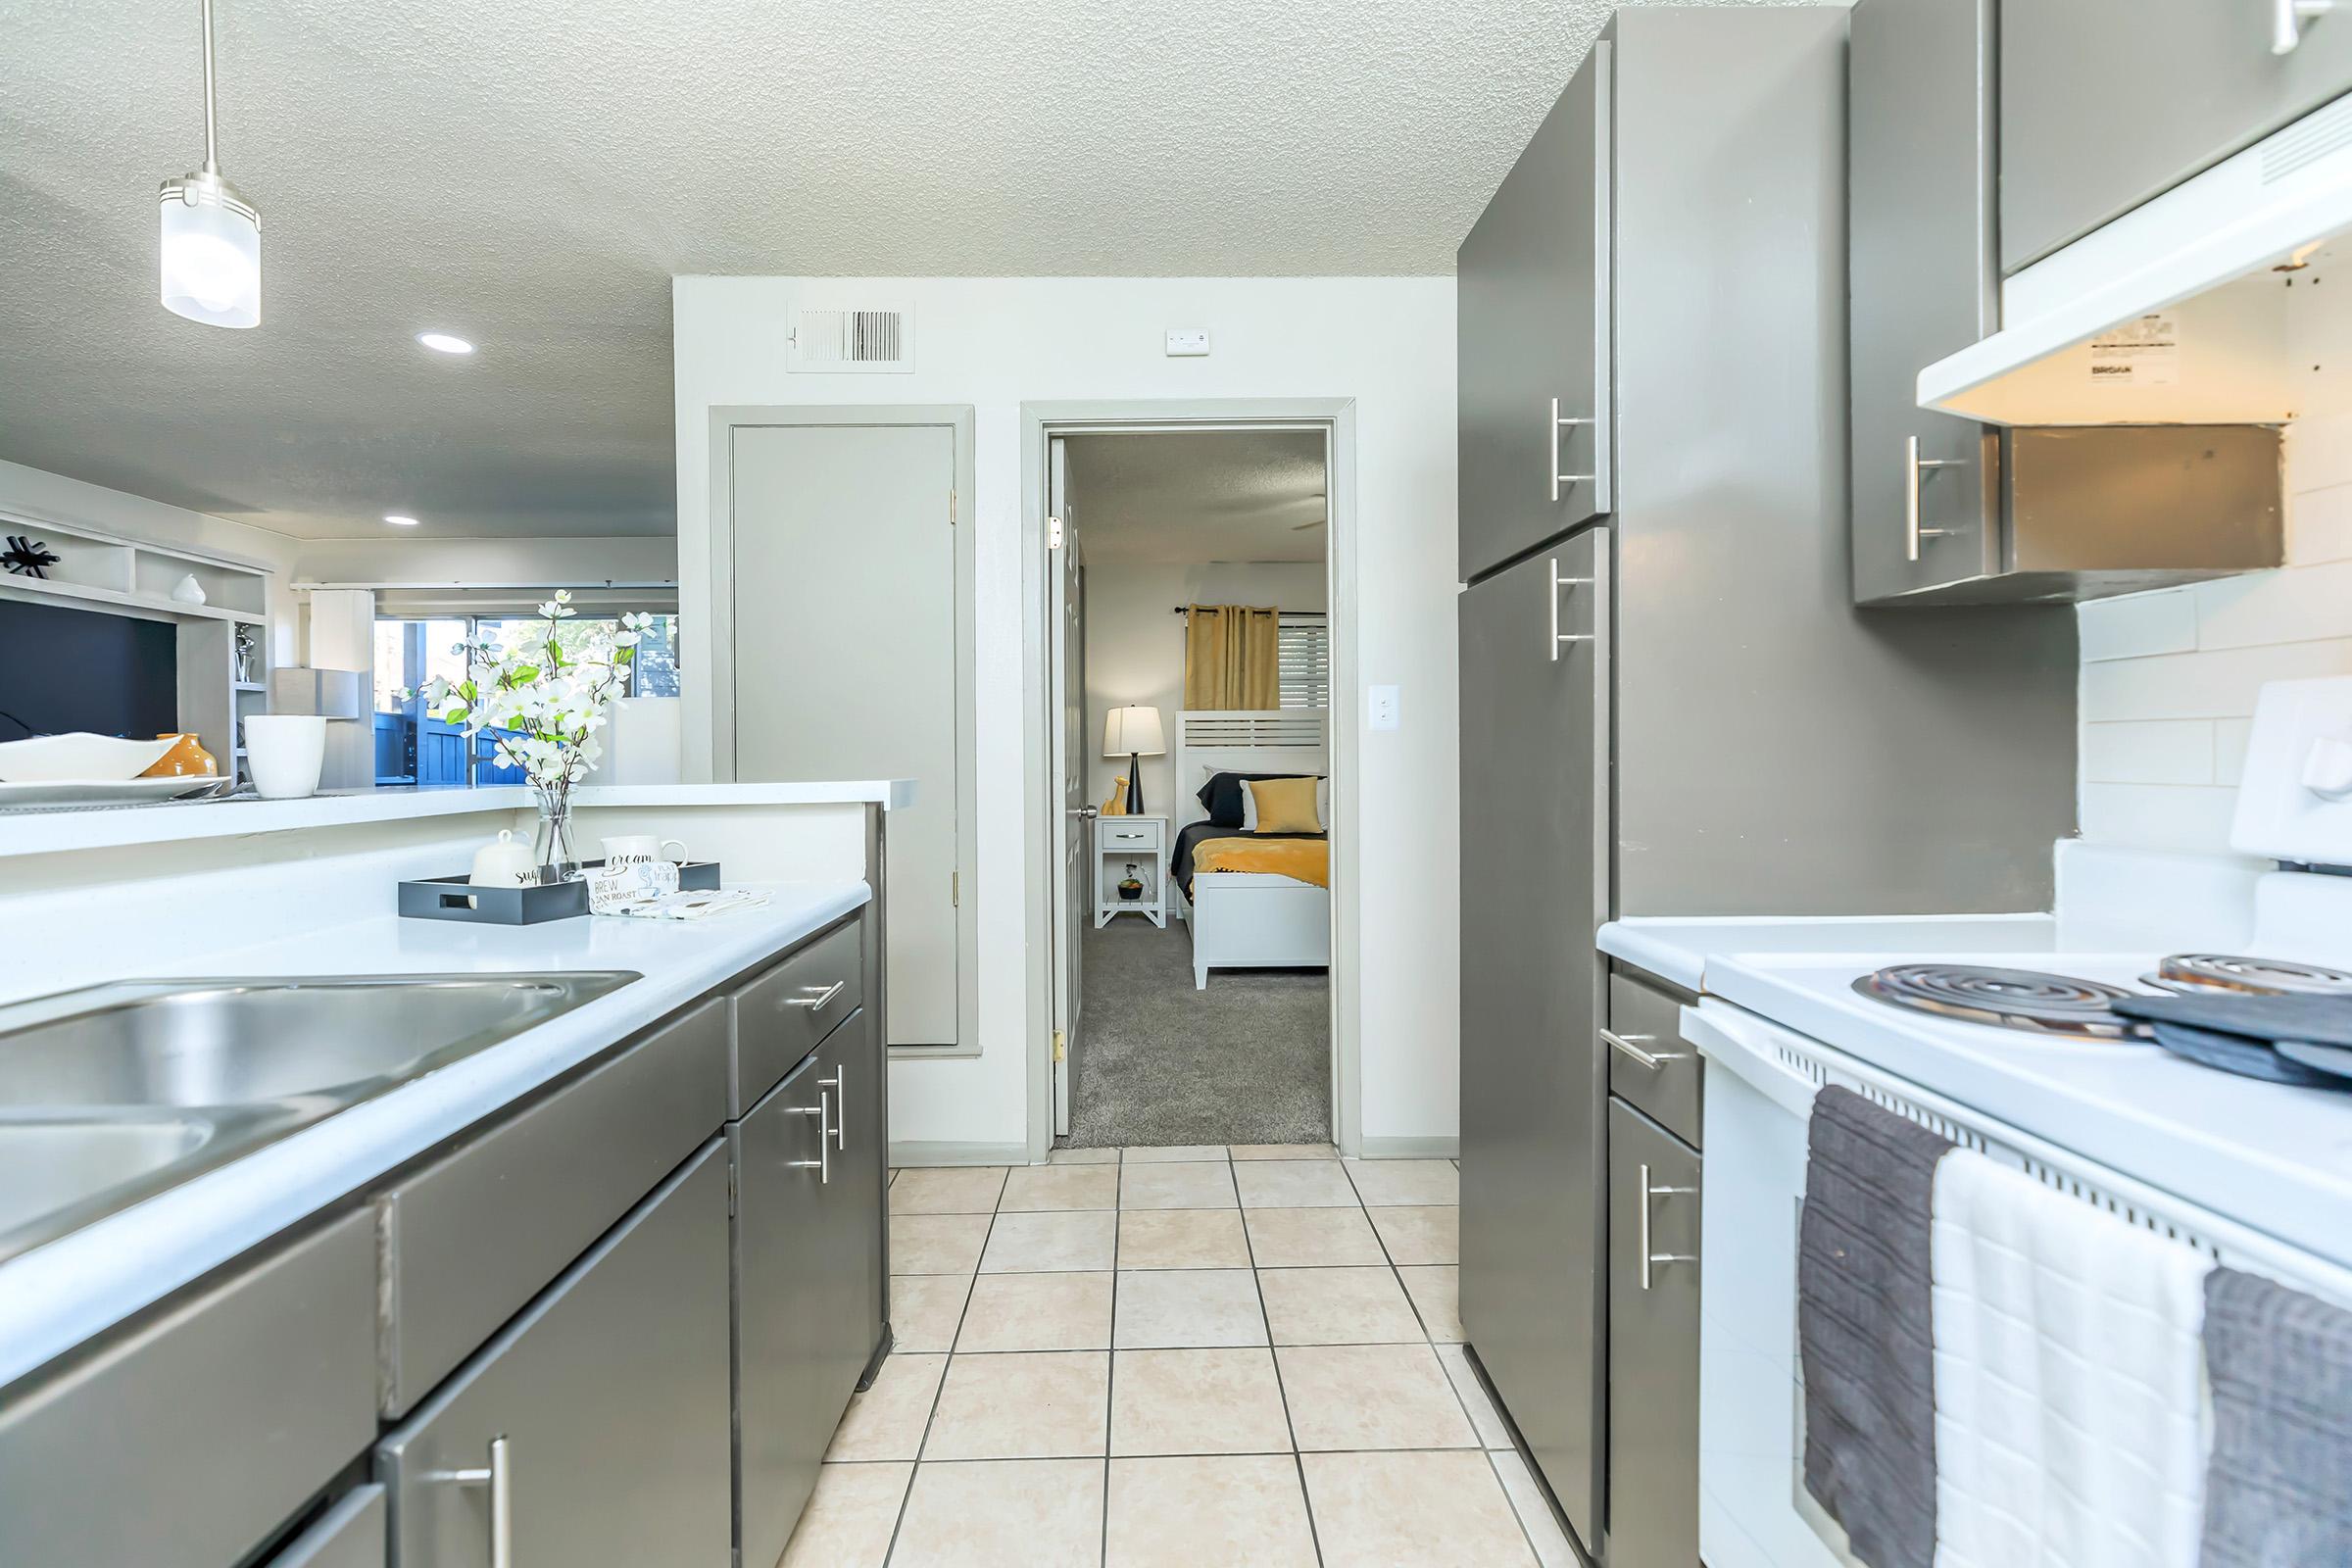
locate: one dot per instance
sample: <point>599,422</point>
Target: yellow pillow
<point>1285,805</point>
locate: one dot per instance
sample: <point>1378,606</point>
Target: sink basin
<point>116,1093</point>
<point>246,1042</point>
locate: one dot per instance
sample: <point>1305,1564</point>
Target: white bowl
<point>94,758</point>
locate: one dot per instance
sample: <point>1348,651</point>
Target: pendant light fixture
<point>212,253</point>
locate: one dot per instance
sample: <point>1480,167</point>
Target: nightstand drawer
<point>1131,836</point>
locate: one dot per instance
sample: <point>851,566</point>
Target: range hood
<point>2224,301</point>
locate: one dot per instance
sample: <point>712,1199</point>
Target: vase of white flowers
<point>541,700</point>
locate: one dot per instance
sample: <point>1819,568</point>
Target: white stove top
<point>2277,1158</point>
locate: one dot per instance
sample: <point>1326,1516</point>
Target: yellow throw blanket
<point>1304,860</point>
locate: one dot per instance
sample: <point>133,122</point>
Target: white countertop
<point>1679,947</point>
<point>55,1296</point>
<point>49,831</point>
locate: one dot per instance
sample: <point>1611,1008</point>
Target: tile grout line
<point>914,1472</point>
<point>1306,1499</point>
<point>1110,1354</point>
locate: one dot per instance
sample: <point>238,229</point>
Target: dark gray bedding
<point>1180,853</point>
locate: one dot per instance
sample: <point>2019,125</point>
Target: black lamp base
<point>1135,784</point>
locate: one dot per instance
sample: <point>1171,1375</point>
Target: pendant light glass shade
<point>212,236</point>
<point>212,253</point>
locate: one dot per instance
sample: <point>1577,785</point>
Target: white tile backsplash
<point>2169,678</point>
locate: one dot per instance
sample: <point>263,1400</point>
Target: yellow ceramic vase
<point>187,758</point>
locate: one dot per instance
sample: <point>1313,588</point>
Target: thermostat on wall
<point>1187,342</point>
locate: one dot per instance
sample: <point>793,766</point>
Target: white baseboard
<point>949,1153</point>
<point>1410,1148</point>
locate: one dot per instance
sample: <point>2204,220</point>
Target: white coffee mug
<point>635,848</point>
<point>286,752</point>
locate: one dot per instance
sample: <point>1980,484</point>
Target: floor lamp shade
<point>1134,733</point>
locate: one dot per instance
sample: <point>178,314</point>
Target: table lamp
<point>1134,733</point>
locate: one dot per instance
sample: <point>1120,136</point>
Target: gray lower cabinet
<point>592,1430</point>
<point>2106,103</point>
<point>808,1215</point>
<point>1534,326</point>
<point>1653,1345</point>
<point>349,1534</point>
<point>1533,712</point>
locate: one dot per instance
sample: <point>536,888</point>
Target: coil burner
<point>2190,973</point>
<point>2006,999</point>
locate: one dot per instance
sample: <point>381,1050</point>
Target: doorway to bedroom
<point>1192,649</point>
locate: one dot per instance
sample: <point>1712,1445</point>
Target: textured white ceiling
<point>1178,498</point>
<point>530,173</point>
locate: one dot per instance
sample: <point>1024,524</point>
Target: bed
<point>1245,919</point>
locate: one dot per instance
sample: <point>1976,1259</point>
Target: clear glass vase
<point>550,843</point>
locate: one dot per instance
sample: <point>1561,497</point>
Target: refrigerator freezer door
<point>1535,1081</point>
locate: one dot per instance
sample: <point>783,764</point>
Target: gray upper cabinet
<point>1534,310</point>
<point>2106,103</point>
<point>1920,118</point>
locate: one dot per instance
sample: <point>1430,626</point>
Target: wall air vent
<point>846,338</point>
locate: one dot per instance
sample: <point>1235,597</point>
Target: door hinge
<point>955,890</point>
<point>950,509</point>
<point>1060,1045</point>
<point>1053,533</point>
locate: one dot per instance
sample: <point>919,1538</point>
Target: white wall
<point>1135,648</point>
<point>394,560</point>
<point>36,496</point>
<point>994,343</point>
<point>2169,678</point>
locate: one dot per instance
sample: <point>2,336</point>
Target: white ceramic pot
<point>286,752</point>
<point>505,864</point>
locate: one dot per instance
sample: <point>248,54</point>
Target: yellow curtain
<point>1230,656</point>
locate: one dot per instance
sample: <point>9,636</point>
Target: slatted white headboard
<point>1246,740</point>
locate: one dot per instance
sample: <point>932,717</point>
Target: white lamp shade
<point>211,256</point>
<point>1133,730</point>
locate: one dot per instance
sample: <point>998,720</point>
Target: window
<point>1303,646</point>
<point>411,746</point>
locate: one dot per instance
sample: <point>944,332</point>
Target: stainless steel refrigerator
<point>1669,704</point>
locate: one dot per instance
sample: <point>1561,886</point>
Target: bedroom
<point>1194,621</point>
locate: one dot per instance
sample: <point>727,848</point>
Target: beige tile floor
<point>1182,1356</point>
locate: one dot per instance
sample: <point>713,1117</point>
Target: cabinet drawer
<point>349,1535</point>
<point>192,1439</point>
<point>781,1015</point>
<point>1137,836</point>
<point>472,1237</point>
<point>600,1410</point>
<point>1649,1063</point>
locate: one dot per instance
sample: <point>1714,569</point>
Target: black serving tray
<point>452,897</point>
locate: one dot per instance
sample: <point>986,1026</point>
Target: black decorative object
<point>26,557</point>
<point>1131,887</point>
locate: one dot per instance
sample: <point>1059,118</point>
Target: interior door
<point>1073,908</point>
<point>848,648</point>
<point>1535,879</point>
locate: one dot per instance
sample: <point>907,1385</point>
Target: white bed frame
<point>1251,919</point>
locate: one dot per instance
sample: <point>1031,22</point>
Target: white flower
<point>626,639</point>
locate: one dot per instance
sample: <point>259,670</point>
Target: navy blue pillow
<point>1221,795</point>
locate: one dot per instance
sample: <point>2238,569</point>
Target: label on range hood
<point>2144,350</point>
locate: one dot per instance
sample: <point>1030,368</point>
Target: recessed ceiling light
<point>399,521</point>
<point>443,343</point>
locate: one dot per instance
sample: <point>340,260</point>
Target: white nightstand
<point>1141,842</point>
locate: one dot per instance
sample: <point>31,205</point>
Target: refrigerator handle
<point>1558,636</point>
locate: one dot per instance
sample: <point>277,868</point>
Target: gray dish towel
<point>1864,1321</point>
<point>2278,1492</point>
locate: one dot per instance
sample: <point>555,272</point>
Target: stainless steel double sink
<point>113,1093</point>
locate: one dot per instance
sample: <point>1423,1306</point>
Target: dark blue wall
<point>78,669</point>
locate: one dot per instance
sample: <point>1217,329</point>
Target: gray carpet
<point>1246,1061</point>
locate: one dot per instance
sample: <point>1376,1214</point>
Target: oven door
<point>1754,1511</point>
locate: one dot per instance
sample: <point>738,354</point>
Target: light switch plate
<point>1383,706</point>
<point>1187,342</point>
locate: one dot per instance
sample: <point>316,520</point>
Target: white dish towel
<point>2071,1429</point>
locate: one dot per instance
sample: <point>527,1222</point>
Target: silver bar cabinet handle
<point>1913,463</point>
<point>499,1477</point>
<point>839,1083</point>
<point>822,1165</point>
<point>1558,636</point>
<point>2286,21</point>
<point>1557,477</point>
<point>821,1001</point>
<point>1626,1046</point>
<point>1641,1229</point>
